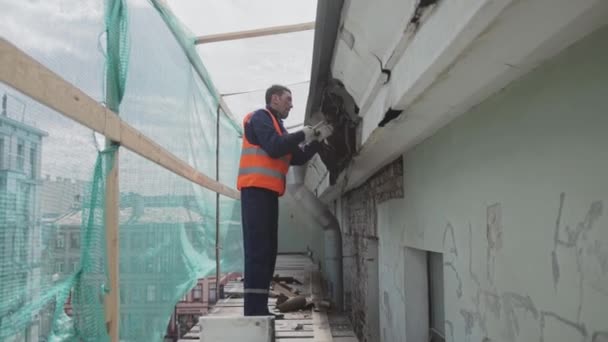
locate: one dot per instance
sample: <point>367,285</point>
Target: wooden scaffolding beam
<point>267,31</point>
<point>26,75</point>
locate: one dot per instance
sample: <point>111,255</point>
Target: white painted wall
<point>514,193</point>
<point>298,232</point>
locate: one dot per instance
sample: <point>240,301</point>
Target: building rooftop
<point>148,215</point>
<point>308,325</point>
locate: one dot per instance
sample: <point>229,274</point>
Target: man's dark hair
<point>275,90</point>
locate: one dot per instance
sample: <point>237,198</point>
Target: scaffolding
<point>178,218</point>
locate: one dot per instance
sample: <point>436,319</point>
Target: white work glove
<point>309,134</point>
<point>323,132</point>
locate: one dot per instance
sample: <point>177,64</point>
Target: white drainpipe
<point>331,229</point>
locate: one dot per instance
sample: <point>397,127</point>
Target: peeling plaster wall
<point>358,212</point>
<point>514,195</point>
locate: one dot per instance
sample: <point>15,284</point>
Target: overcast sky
<point>255,63</point>
<point>66,36</point>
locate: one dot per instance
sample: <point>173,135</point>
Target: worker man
<point>268,151</point>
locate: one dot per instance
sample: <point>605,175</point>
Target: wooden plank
<point>305,327</point>
<point>23,73</point>
<point>267,31</point>
<point>112,210</point>
<point>282,289</point>
<point>292,323</point>
<point>111,301</point>
<point>322,329</point>
<point>297,315</point>
<point>291,334</point>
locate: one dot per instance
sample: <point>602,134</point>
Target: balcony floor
<point>301,326</point>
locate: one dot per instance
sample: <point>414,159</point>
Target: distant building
<point>145,223</point>
<point>194,304</point>
<point>60,196</point>
<point>20,219</point>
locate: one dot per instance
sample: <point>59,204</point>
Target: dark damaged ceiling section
<point>341,112</point>
<point>327,95</point>
<point>328,98</point>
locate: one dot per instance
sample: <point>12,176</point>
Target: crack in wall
<point>512,309</point>
<point>513,301</point>
<point>450,327</point>
<point>571,242</point>
<point>453,268</point>
<point>600,254</point>
<point>492,302</point>
<point>555,262</point>
<point>471,273</point>
<point>580,328</point>
<point>387,310</point>
<point>600,336</point>
<point>450,228</point>
<point>494,236</point>
<point>469,323</point>
<point>491,298</point>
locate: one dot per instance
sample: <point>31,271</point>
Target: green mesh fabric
<point>171,226</point>
<point>87,322</point>
<point>117,51</point>
<point>52,248</point>
<point>186,41</point>
<point>135,58</point>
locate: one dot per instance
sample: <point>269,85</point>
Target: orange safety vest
<point>257,168</point>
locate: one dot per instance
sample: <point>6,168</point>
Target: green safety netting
<point>134,57</point>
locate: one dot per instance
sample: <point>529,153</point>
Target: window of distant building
<point>2,166</point>
<point>137,241</point>
<point>75,240</point>
<point>150,266</point>
<point>212,297</point>
<point>33,164</point>
<point>166,294</point>
<point>197,292</point>
<point>123,295</point>
<point>20,154</point>
<point>151,293</point>
<point>60,242</point>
